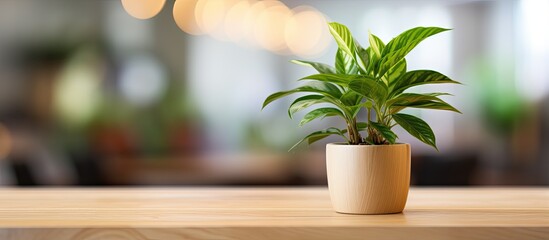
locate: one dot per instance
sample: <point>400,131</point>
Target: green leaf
<point>362,55</point>
<point>352,102</point>
<point>385,132</point>
<point>407,98</point>
<point>401,45</point>
<point>368,104</point>
<point>390,60</point>
<point>305,102</point>
<point>441,105</point>
<point>345,64</point>
<point>320,113</point>
<point>376,44</point>
<point>410,39</point>
<point>418,77</point>
<point>343,38</point>
<point>395,72</point>
<point>416,100</point>
<point>373,61</point>
<point>320,67</point>
<point>351,98</point>
<point>328,88</point>
<point>324,90</point>
<point>369,87</point>
<point>362,126</point>
<point>342,80</point>
<point>318,135</point>
<point>416,127</point>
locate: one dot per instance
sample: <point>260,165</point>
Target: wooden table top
<point>267,213</point>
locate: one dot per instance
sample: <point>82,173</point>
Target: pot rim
<point>344,144</point>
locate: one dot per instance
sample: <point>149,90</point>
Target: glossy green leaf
<point>362,56</point>
<point>401,45</point>
<point>352,101</point>
<point>373,61</point>
<point>407,98</point>
<point>390,60</point>
<point>305,102</point>
<point>361,126</point>
<point>320,113</point>
<point>351,98</point>
<point>343,38</point>
<point>329,88</point>
<point>416,100</point>
<point>395,72</point>
<point>384,131</point>
<point>320,67</point>
<point>319,135</point>
<point>411,38</point>
<point>435,105</point>
<point>341,80</point>
<point>323,90</point>
<point>376,44</point>
<point>416,78</point>
<point>416,127</point>
<point>370,88</point>
<point>345,64</point>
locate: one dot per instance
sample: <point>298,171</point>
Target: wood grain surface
<point>267,213</point>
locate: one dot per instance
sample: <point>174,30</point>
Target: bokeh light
<point>183,14</point>
<point>306,32</point>
<point>210,16</point>
<point>270,26</point>
<point>143,9</point>
<point>235,20</point>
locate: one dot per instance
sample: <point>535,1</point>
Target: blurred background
<point>90,94</point>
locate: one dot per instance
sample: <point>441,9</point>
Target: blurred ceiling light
<point>210,16</point>
<point>143,9</point>
<point>306,33</point>
<point>250,20</point>
<point>270,28</point>
<point>235,20</point>
<point>184,16</point>
<point>269,24</point>
<point>143,80</point>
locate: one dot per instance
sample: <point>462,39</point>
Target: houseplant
<point>370,173</point>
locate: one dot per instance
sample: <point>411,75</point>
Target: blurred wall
<point>90,95</point>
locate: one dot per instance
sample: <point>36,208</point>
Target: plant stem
<point>354,135</point>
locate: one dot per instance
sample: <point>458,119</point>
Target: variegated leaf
<point>369,88</point>
<point>319,135</point>
<point>418,77</point>
<point>320,113</point>
<point>320,67</point>
<point>305,102</point>
<point>343,38</point>
<point>411,38</point>
<point>345,64</point>
<point>416,127</point>
<point>376,44</point>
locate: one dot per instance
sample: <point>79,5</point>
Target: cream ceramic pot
<point>368,179</point>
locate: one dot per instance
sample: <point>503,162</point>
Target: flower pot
<point>368,179</point>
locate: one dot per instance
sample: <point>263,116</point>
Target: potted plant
<point>370,172</point>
